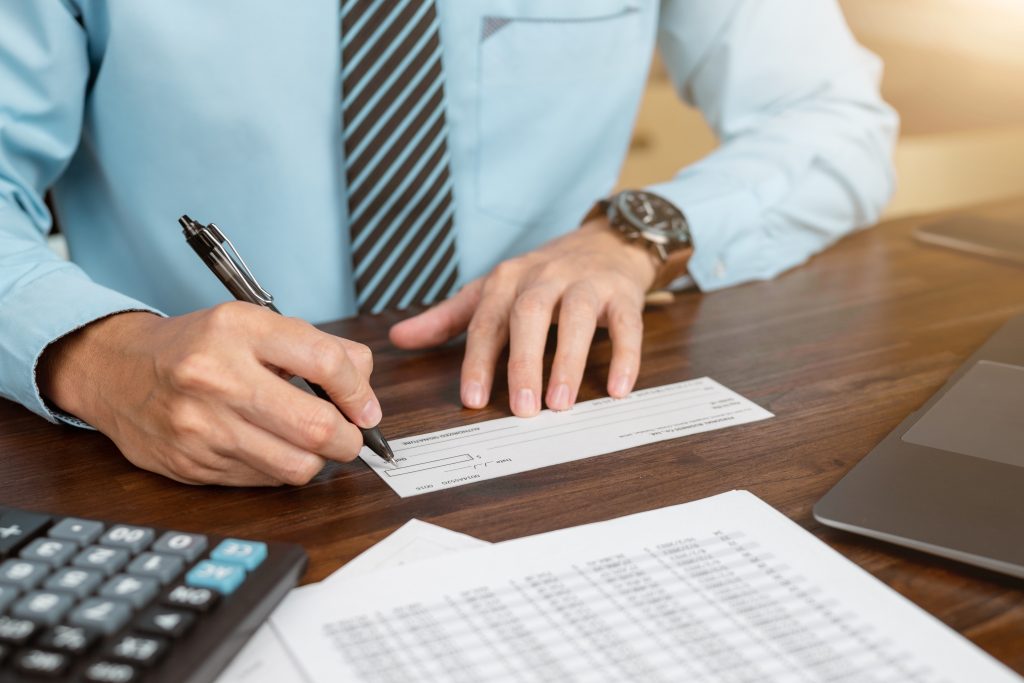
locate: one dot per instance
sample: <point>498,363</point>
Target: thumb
<point>439,323</point>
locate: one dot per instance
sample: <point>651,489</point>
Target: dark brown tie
<point>396,154</point>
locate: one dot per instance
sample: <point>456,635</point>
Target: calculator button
<point>165,622</point>
<point>75,580</point>
<point>72,640</point>
<point>17,528</point>
<point>249,554</point>
<point>139,649</point>
<point>132,538</point>
<point>15,631</point>
<point>188,546</point>
<point>111,672</point>
<point>107,560</point>
<point>7,596</point>
<point>137,590</point>
<point>163,568</point>
<point>43,607</point>
<point>49,551</point>
<point>23,574</point>
<point>221,577</point>
<point>41,663</point>
<point>103,614</point>
<point>195,599</point>
<point>81,531</point>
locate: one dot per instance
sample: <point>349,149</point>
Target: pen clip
<point>248,280</point>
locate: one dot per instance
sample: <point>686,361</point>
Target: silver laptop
<point>949,479</point>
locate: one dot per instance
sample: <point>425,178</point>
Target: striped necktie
<point>396,154</point>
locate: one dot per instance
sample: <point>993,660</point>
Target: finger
<point>529,324</point>
<point>440,323</point>
<point>255,448</point>
<point>303,420</point>
<point>626,329</point>
<point>360,354</point>
<point>486,336</point>
<point>322,358</point>
<point>238,474</point>
<point>577,321</point>
<point>206,468</point>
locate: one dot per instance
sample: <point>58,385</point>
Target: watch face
<point>656,218</point>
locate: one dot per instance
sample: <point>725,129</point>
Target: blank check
<point>508,445</point>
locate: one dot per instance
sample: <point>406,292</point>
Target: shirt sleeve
<point>44,70</point>
<point>806,140</point>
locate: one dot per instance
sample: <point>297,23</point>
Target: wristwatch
<point>650,219</point>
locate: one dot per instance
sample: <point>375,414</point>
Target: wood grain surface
<point>840,349</point>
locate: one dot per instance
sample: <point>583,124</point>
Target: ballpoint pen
<point>220,256</point>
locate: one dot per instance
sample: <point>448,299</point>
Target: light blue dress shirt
<point>135,112</point>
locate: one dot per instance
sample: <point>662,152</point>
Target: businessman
<point>374,155</point>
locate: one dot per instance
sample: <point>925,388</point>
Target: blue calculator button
<point>249,554</point>
<point>223,578</point>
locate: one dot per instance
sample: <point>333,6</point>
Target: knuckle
<point>183,466</point>
<point>198,372</point>
<point>626,320</point>
<point>627,291</point>
<point>550,270</point>
<point>352,443</point>
<point>530,305</point>
<point>522,367</point>
<point>300,471</point>
<point>506,271</point>
<point>329,358</point>
<point>185,421</point>
<point>583,291</point>
<point>361,356</point>
<point>319,428</point>
<point>354,394</point>
<point>229,442</point>
<point>193,371</point>
<point>580,303</point>
<point>484,322</point>
<point>227,316</point>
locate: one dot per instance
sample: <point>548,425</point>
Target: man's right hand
<point>203,398</point>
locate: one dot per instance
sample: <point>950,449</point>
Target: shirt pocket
<point>548,73</point>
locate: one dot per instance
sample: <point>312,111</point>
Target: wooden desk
<point>841,350</point>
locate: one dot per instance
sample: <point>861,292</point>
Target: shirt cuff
<point>721,217</point>
<point>39,313</point>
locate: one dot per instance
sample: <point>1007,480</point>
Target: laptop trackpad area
<point>982,415</point>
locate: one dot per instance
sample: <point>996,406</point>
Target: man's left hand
<point>586,278</point>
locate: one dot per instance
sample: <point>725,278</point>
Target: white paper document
<point>508,445</point>
<point>723,589</point>
<point>264,659</point>
<point>411,542</point>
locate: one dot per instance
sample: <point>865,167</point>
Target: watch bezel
<point>676,236</point>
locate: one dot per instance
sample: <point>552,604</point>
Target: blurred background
<point>954,69</point>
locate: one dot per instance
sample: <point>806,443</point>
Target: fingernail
<point>620,386</point>
<point>560,397</point>
<point>473,395</point>
<point>524,402</point>
<point>371,415</point>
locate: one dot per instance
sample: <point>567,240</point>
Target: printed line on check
<point>511,444</point>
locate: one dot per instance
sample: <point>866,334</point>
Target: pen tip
<point>376,442</point>
<point>388,454</point>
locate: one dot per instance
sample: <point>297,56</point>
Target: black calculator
<point>103,602</point>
